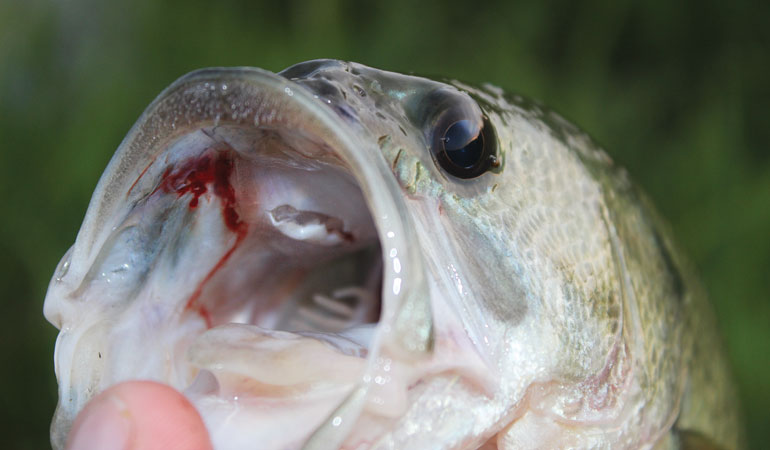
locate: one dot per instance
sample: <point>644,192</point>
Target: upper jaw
<point>89,357</point>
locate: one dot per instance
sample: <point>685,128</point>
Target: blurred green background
<point>676,91</point>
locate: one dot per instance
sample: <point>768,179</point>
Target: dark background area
<point>675,91</point>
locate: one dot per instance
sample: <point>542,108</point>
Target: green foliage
<point>676,91</point>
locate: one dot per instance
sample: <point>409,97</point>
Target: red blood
<point>139,178</point>
<point>192,302</point>
<point>204,313</point>
<point>194,177</point>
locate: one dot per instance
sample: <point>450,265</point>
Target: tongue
<point>352,341</point>
<point>250,360</point>
<point>243,362</point>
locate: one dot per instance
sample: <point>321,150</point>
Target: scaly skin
<point>560,197</point>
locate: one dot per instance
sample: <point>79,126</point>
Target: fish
<point>377,260</point>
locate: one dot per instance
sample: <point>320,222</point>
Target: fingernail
<point>105,424</point>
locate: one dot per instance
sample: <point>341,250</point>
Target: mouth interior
<point>296,244</point>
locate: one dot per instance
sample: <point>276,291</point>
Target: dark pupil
<point>462,145</point>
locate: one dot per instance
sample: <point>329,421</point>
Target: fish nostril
<point>331,93</point>
<point>324,89</point>
<point>309,68</point>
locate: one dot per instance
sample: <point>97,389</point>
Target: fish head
<point>362,257</point>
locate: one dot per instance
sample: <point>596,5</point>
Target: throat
<point>270,241</point>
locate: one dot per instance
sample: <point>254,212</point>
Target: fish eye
<point>464,147</point>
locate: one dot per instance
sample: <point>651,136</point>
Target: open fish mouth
<point>248,247</point>
<point>294,249</point>
<point>298,250</point>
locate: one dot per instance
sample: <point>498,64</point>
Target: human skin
<point>139,415</point>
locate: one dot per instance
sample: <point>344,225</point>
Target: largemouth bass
<point>336,256</point>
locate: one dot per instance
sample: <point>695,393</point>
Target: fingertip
<point>139,415</point>
<point>105,423</point>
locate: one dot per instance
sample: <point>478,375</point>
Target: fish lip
<point>251,96</point>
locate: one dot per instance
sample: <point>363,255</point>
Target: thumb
<point>139,415</point>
